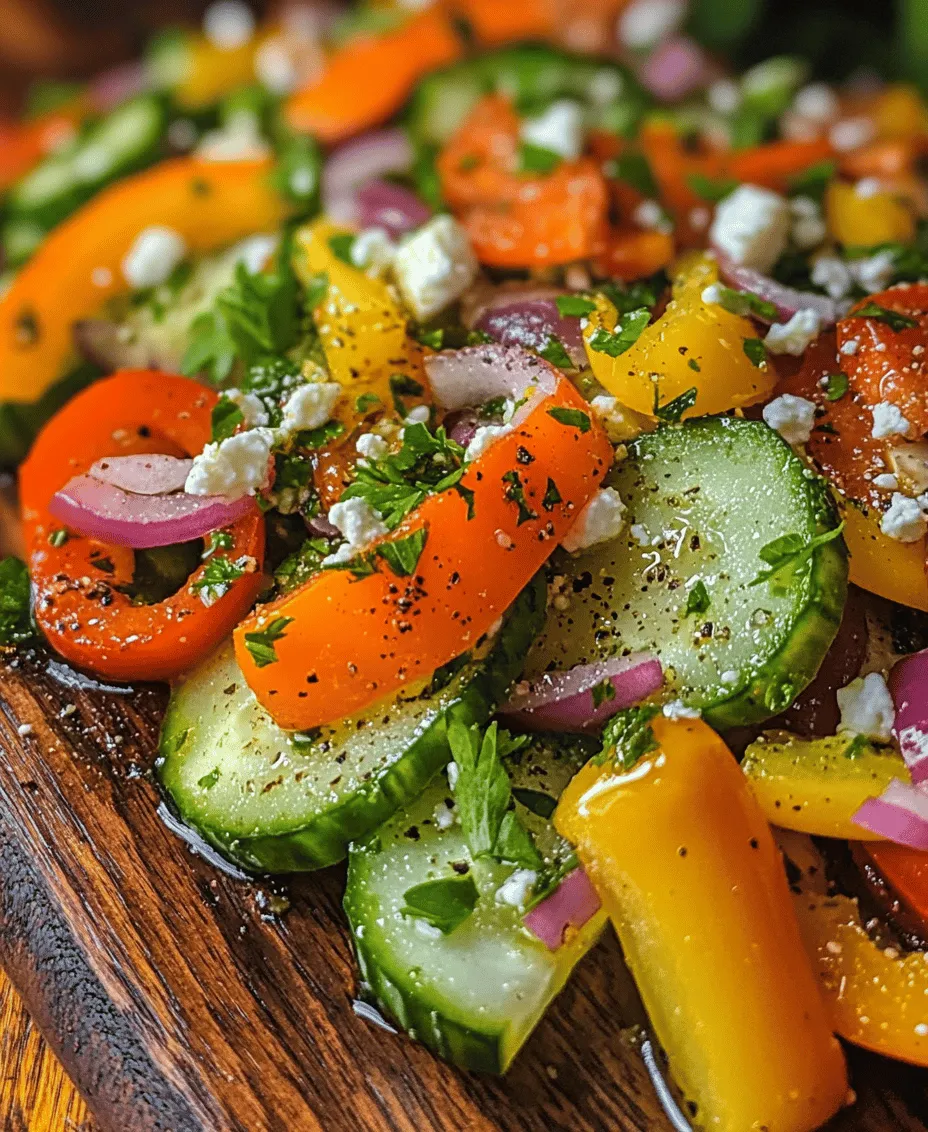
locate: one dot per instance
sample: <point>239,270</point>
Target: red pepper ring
<point>78,606</point>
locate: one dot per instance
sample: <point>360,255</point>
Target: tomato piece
<point>79,606</point>
<point>350,640</point>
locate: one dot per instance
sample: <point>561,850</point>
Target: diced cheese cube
<point>435,266</point>
<point>751,227</point>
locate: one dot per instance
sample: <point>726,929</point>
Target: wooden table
<point>35,1094</point>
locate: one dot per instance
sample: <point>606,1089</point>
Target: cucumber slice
<point>277,801</point>
<point>703,498</point>
<point>475,995</point>
<point>20,422</point>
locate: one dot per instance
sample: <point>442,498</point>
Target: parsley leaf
<point>536,801</point>
<point>552,496</point>
<point>643,293</point>
<point>537,159</point>
<point>218,540</point>
<point>789,552</point>
<point>635,170</point>
<point>601,692</point>
<point>745,302</point>
<point>16,624</point>
<point>261,643</point>
<point>217,578</point>
<point>299,566</point>
<point>402,555</point>
<point>316,290</point>
<point>573,418</point>
<point>58,537</point>
<point>225,419</point>
<point>515,493</point>
<point>813,182</point>
<point>755,350</point>
<point>574,306</point>
<point>402,386</point>
<point>895,320</point>
<point>627,332</point>
<point>857,746</point>
<point>628,736</point>
<point>366,402</point>
<point>711,189</point>
<point>514,844</point>
<point>697,600</point>
<point>340,245</point>
<point>673,411</point>
<point>468,495</point>
<point>553,351</point>
<point>836,385</point>
<point>444,903</point>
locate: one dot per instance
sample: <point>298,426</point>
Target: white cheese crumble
<point>851,133</point>
<point>808,225</point>
<point>604,87</point>
<point>559,129</point>
<point>817,101</point>
<point>228,24</point>
<point>833,274</point>
<point>240,139</point>
<point>310,406</point>
<point>751,227</point>
<point>274,66</point>
<point>371,446</point>
<point>724,96</point>
<point>867,708</point>
<point>874,272</point>
<point>601,519</point>
<point>435,266</point>
<point>888,421</point>
<point>516,889</point>
<point>255,252</point>
<point>650,215</point>
<point>869,187</point>
<point>251,406</point>
<point>886,481</point>
<point>640,534</point>
<point>443,817</point>
<point>905,520</point>
<point>359,524</point>
<point>234,467</point>
<point>611,415</point>
<point>482,439</point>
<point>420,414</point>
<point>154,254</point>
<point>794,337</point>
<point>850,347</point>
<point>646,22</point>
<point>792,417</point>
<point>677,709</point>
<point>373,251</point>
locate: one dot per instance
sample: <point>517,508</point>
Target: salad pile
<point>505,427</point>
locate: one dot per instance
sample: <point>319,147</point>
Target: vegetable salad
<point>504,426</point>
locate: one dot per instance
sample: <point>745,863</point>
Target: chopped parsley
<point>402,555</point>
<point>602,692</point>
<point>226,418</point>
<point>16,624</point>
<point>673,411</point>
<point>895,320</point>
<point>635,170</point>
<point>313,438</point>
<point>836,385</point>
<point>340,245</point>
<point>402,386</point>
<point>574,306</point>
<point>262,643</point>
<point>813,182</point>
<point>366,402</point>
<point>300,566</point>
<point>642,293</point>
<point>755,351</point>
<point>535,801</point>
<point>217,578</point>
<point>553,351</point>
<point>515,493</point>
<point>697,600</point>
<point>694,365</point>
<point>711,189</point>
<point>552,496</point>
<point>444,903</point>
<point>58,537</point>
<point>537,159</point>
<point>628,330</point>
<point>572,418</point>
<point>628,736</point>
<point>468,496</point>
<point>745,302</point>
<point>316,290</point>
<point>791,552</point>
<point>857,747</point>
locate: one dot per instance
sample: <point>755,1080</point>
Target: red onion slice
<point>787,300</point>
<point>463,379</point>
<point>908,683</point>
<point>570,905</point>
<point>143,475</point>
<point>397,210</point>
<point>676,68</point>
<point>357,162</point>
<point>563,701</point>
<point>116,85</point>
<point>531,323</point>
<point>106,512</point>
<point>900,814</point>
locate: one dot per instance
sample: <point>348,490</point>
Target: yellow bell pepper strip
<point>688,871</point>
<point>876,996</point>
<point>865,221</point>
<point>349,637</point>
<point>369,78</point>
<point>883,565</point>
<point>361,325</point>
<point>693,345</point>
<point>199,72</point>
<point>817,785</point>
<point>900,112</point>
<point>79,266</point>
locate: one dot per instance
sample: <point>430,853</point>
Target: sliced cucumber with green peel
<point>275,801</point>
<point>475,994</point>
<point>703,499</point>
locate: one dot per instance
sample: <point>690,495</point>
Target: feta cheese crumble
<point>359,524</point>
<point>794,337</point>
<point>373,251</point>
<point>251,406</point>
<point>808,225</point>
<point>886,481</point>
<point>650,215</point>
<point>833,274</point>
<point>867,708</point>
<point>310,406</point>
<point>435,266</point>
<point>874,272</point>
<point>724,96</point>
<point>905,520</point>
<point>233,467</point>
<point>851,133</point>
<point>482,439</point>
<point>240,139</point>
<point>888,421</point>
<point>516,889</point>
<point>420,414</point>
<point>154,254</point>
<point>751,226</point>
<point>677,709</point>
<point>371,446</point>
<point>601,519</point>
<point>559,129</point>
<point>792,417</point>
<point>646,22</point>
<point>817,101</point>
<point>228,24</point>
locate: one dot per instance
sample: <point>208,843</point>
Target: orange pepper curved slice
<point>79,606</point>
<point>369,78</point>
<point>79,266</point>
<point>514,220</point>
<point>349,640</point>
<point>774,164</point>
<point>496,23</point>
<point>884,367</point>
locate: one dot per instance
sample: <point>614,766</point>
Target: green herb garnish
<point>16,624</point>
<point>628,736</point>
<point>225,419</point>
<point>572,418</point>
<point>789,552</point>
<point>627,332</point>
<point>836,385</point>
<point>262,643</point>
<point>895,320</point>
<point>402,555</point>
<point>445,903</point>
<point>697,600</point>
<point>711,189</point>
<point>574,306</point>
<point>553,351</point>
<point>755,350</point>
<point>537,159</point>
<point>672,412</point>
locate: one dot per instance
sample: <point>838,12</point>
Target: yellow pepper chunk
<point>199,72</point>
<point>693,345</point>
<point>812,786</point>
<point>687,869</point>
<point>361,325</point>
<point>883,565</point>
<point>876,996</point>
<point>900,112</point>
<point>865,221</point>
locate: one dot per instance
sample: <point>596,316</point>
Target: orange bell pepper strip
<point>905,870</point>
<point>884,368</point>
<point>347,641</point>
<point>79,266</point>
<point>775,164</point>
<point>674,168</point>
<point>515,220</point>
<point>494,23</point>
<point>685,864</point>
<point>370,78</point>
<point>876,996</point>
<point>78,605</point>
<point>632,254</point>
